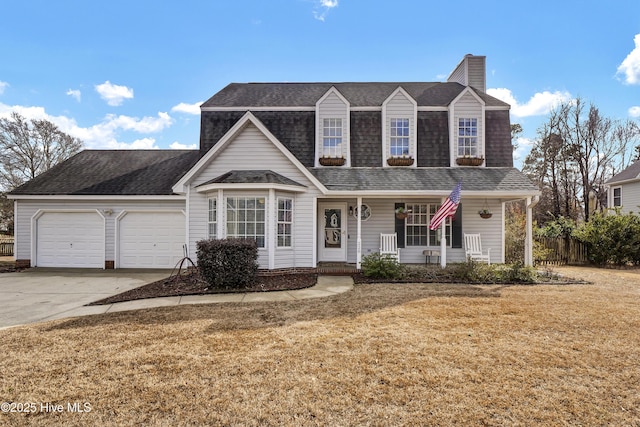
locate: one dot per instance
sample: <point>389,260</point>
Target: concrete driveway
<point>40,294</point>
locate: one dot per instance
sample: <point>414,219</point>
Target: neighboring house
<point>623,189</point>
<point>314,172</point>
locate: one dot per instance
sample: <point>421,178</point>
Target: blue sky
<point>131,74</point>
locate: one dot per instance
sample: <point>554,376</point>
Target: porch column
<point>271,232</point>
<point>528,240</point>
<point>221,207</point>
<point>359,234</point>
<point>443,240</point>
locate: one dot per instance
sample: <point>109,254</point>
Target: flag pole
<point>443,242</point>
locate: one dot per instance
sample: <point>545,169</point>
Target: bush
<point>612,238</point>
<point>228,263</point>
<point>516,273</point>
<point>381,266</point>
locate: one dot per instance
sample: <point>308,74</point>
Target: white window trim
<point>276,234</point>
<point>266,216</point>
<point>613,197</point>
<point>477,136</point>
<point>335,150</point>
<point>448,225</point>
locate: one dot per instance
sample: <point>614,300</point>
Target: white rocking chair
<point>389,246</point>
<point>473,248</point>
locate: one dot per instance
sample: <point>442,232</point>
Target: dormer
<point>467,139</point>
<point>332,130</point>
<point>399,115</point>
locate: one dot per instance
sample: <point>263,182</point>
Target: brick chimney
<point>471,71</point>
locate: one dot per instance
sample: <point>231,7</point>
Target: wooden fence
<point>560,251</point>
<point>6,246</point>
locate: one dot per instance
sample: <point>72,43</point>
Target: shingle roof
<point>113,172</point>
<point>372,94</point>
<point>252,177</point>
<point>424,179</point>
<point>632,172</point>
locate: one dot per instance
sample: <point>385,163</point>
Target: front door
<point>333,232</point>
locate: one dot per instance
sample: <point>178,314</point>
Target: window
<point>617,196</point>
<point>285,222</point>
<point>332,137</point>
<point>213,218</point>
<point>399,142</point>
<point>245,218</point>
<point>417,231</point>
<point>468,137</point>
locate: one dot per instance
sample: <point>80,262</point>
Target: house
<point>314,172</point>
<point>623,189</point>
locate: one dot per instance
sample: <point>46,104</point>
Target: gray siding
<point>366,138</point>
<point>28,208</point>
<point>498,148</point>
<point>433,139</point>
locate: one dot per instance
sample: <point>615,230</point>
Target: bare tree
<point>30,147</point>
<point>577,151</point>
<point>27,149</point>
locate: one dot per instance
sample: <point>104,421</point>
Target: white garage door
<point>70,239</point>
<point>151,239</point>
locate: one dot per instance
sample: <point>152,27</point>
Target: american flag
<point>448,208</point>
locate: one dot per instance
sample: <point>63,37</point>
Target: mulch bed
<point>192,285</point>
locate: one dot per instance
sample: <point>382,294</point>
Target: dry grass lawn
<point>380,355</point>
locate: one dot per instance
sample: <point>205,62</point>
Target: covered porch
<point>350,228</point>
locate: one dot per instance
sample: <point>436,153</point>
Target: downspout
<point>528,244</point>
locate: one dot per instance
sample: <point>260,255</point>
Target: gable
<point>248,145</point>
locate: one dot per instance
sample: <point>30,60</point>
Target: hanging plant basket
<point>485,215</point>
<point>332,161</point>
<point>400,161</point>
<point>469,161</point>
<point>402,213</point>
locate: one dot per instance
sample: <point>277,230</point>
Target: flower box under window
<point>469,161</point>
<point>332,161</point>
<point>400,161</point>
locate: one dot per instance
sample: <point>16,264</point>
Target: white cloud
<point>114,94</point>
<point>634,111</point>
<point>187,108</point>
<point>105,134</point>
<point>323,7</point>
<point>3,86</point>
<point>178,146</point>
<point>540,104</point>
<point>524,146</point>
<point>138,144</point>
<point>630,67</point>
<point>75,93</point>
<point>143,125</point>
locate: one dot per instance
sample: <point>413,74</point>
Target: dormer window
<point>468,137</point>
<point>399,134</point>
<point>332,137</point>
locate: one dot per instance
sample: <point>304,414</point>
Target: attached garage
<point>150,239</point>
<point>70,239</point>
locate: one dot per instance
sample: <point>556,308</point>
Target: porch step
<point>336,268</point>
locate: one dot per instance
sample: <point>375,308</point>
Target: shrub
<point>612,238</point>
<point>516,273</point>
<point>228,263</point>
<point>381,266</point>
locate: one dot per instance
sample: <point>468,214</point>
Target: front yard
<point>397,354</point>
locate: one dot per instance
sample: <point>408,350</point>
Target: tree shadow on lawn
<point>255,315</point>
